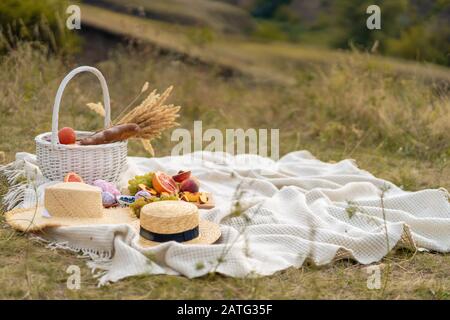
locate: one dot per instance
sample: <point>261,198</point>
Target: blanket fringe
<point>83,253</point>
<point>99,262</point>
<point>16,192</point>
<point>14,197</point>
<point>23,180</point>
<point>12,171</point>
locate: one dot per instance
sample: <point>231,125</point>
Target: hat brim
<point>33,220</point>
<point>209,232</point>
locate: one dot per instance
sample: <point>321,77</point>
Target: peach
<point>191,185</point>
<point>67,135</point>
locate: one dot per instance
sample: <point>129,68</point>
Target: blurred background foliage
<point>411,29</point>
<point>39,21</point>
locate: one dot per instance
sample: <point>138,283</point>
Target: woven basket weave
<point>104,161</point>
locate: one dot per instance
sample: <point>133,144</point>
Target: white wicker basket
<point>105,161</point>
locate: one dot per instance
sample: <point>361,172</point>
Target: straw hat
<point>68,204</point>
<point>178,221</point>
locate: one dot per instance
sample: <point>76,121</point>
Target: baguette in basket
<point>116,133</point>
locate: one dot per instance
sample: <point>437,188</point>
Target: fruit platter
<point>151,187</point>
<point>160,186</point>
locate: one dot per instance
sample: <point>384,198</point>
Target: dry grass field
<point>392,117</point>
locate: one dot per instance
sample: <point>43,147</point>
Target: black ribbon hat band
<point>178,237</point>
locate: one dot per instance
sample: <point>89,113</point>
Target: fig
<point>108,199</point>
<point>181,176</point>
<point>143,194</point>
<point>106,186</point>
<point>191,185</point>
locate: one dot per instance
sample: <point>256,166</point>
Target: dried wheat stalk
<point>97,108</point>
<point>152,116</point>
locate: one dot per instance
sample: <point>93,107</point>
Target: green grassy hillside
<point>266,62</point>
<point>217,16</point>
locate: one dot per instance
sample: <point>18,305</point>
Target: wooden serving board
<point>209,205</point>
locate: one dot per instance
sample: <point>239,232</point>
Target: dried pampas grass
<point>152,115</point>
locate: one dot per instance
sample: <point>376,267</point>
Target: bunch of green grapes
<point>133,184</point>
<point>138,204</point>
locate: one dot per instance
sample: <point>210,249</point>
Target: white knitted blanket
<point>273,215</point>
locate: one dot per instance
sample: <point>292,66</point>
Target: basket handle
<point>59,93</point>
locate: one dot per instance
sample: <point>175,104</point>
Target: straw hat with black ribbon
<point>68,204</point>
<point>178,221</point>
